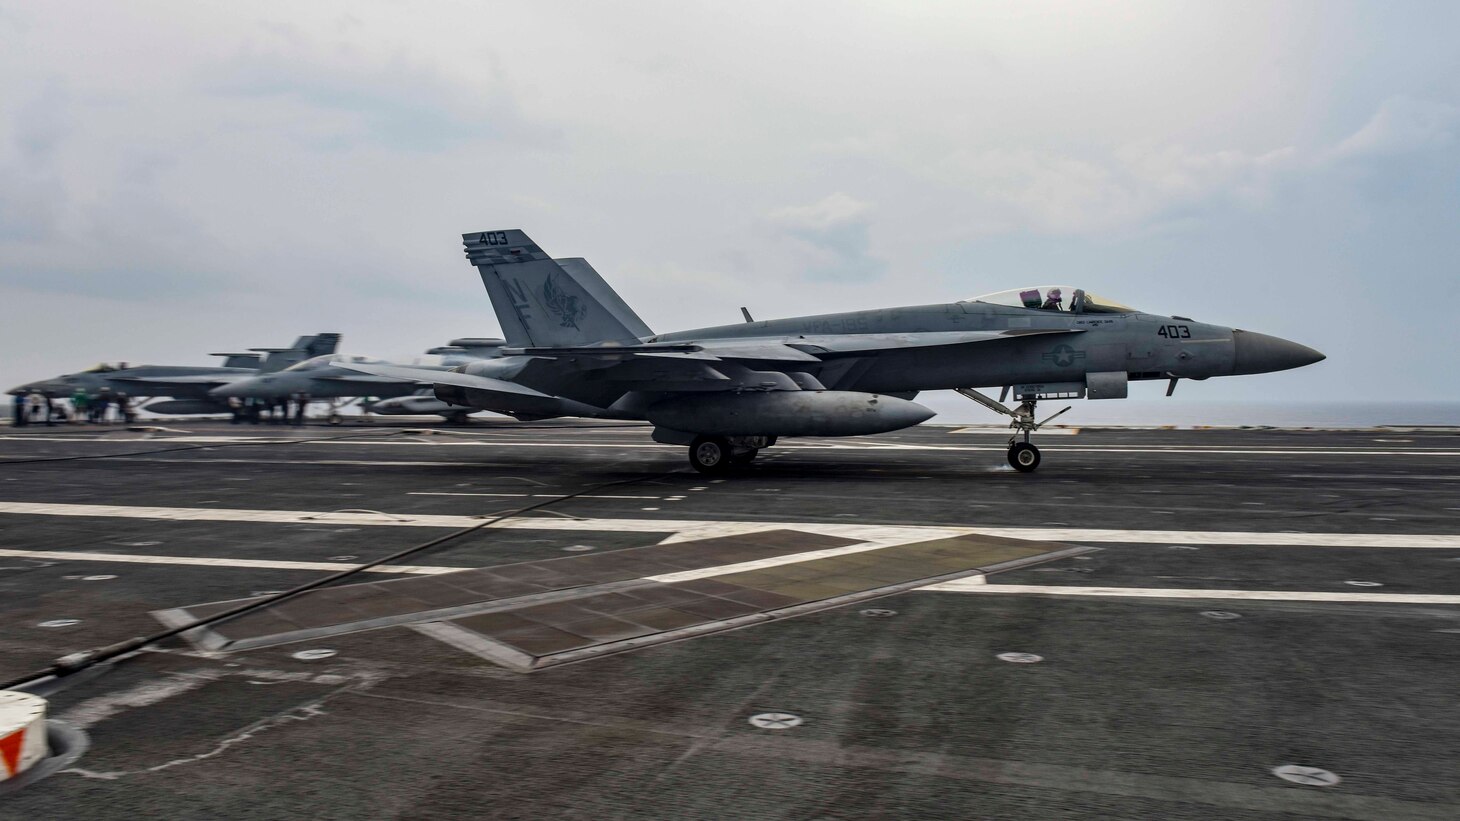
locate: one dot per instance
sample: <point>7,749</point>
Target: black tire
<point>1023,457</point>
<point>710,454</point>
<point>744,457</point>
<point>335,419</point>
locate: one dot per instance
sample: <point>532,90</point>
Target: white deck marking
<point>686,529</point>
<point>133,558</point>
<point>980,586</point>
<point>520,495</point>
<point>1277,450</point>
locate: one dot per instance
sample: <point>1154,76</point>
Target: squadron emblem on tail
<point>568,308</point>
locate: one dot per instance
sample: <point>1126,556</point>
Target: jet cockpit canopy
<point>104,367</point>
<point>1055,298</point>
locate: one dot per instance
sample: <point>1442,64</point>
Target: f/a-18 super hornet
<point>423,401</point>
<point>574,348</point>
<point>332,377</point>
<point>187,385</point>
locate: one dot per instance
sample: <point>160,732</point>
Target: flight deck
<point>1223,623</point>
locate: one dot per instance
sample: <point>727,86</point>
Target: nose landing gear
<point>1023,456</point>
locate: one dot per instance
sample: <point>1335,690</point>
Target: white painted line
<point>1382,477</point>
<point>133,558</point>
<point>1005,431</point>
<point>530,495</point>
<point>686,529</point>
<point>1279,450</point>
<point>970,586</point>
<point>759,564</point>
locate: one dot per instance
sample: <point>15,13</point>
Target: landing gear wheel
<point>744,457</point>
<point>1023,457</point>
<point>335,419</point>
<point>710,454</point>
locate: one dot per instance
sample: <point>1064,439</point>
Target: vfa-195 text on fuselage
<point>574,348</point>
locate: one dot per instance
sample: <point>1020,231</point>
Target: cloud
<point>1402,125</point>
<point>352,98</point>
<point>829,240</point>
<point>1055,193</point>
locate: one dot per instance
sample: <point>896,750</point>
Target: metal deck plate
<point>536,614</point>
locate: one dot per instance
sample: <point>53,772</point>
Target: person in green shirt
<point>79,400</point>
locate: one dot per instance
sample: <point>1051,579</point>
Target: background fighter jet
<point>187,384</point>
<point>577,350</point>
<point>327,377</point>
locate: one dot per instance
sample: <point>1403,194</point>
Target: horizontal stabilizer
<point>239,360</point>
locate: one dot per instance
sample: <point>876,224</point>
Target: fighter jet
<point>576,349</point>
<point>424,401</point>
<point>328,377</point>
<point>321,377</point>
<point>188,385</point>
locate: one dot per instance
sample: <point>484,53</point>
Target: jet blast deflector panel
<point>538,614</point>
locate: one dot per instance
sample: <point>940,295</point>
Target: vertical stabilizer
<point>305,347</point>
<point>319,344</point>
<point>542,303</point>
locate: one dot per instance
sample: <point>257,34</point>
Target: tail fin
<point>305,347</point>
<point>239,360</point>
<point>543,303</point>
<point>319,344</point>
<point>583,273</point>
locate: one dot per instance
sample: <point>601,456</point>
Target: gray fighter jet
<point>423,401</point>
<point>576,349</point>
<point>322,377</point>
<point>188,385</point>
<point>327,377</point>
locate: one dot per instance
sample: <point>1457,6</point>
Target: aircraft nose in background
<point>243,388</point>
<point>1260,353</point>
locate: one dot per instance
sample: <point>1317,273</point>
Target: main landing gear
<point>1023,456</point>
<point>719,454</point>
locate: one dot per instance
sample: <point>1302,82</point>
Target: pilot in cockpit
<point>1053,300</point>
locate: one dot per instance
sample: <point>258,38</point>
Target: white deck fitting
<point>22,732</point>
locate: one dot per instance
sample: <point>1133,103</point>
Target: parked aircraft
<point>188,385</point>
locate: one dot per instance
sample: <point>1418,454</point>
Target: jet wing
<point>862,343</point>
<point>710,349</point>
<point>186,379</point>
<point>363,379</point>
<point>406,373</point>
<point>788,349</point>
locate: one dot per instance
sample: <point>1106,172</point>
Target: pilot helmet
<point>1054,293</point>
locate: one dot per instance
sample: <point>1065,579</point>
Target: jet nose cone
<point>1260,353</point>
<point>46,387</point>
<point>240,389</point>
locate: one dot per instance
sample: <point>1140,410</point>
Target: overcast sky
<point>178,178</point>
